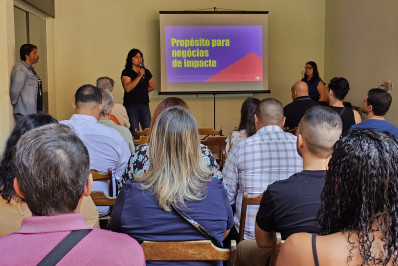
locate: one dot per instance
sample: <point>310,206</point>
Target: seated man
<point>107,148</point>
<point>295,110</point>
<point>376,105</point>
<point>105,118</point>
<point>254,163</point>
<point>290,206</point>
<point>338,89</point>
<point>52,171</point>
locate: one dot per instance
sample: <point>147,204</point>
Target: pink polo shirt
<point>40,234</point>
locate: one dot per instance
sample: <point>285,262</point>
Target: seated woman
<point>358,217</point>
<point>139,160</point>
<point>246,128</point>
<point>12,208</point>
<point>177,179</point>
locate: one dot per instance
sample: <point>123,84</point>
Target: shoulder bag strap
<point>64,247</point>
<point>198,227</point>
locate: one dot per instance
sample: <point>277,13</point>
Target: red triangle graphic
<point>248,68</point>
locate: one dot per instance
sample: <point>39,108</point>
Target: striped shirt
<point>254,163</point>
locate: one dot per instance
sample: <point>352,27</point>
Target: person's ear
<point>17,188</point>
<point>100,106</point>
<point>283,122</point>
<point>88,186</point>
<point>74,106</point>
<point>300,140</point>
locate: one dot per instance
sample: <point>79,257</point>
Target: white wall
<point>361,44</point>
<point>92,39</point>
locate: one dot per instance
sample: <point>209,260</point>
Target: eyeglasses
<point>307,67</point>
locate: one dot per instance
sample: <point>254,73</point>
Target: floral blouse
<point>139,164</point>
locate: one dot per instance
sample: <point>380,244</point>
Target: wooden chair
<point>145,132</point>
<point>201,250</point>
<point>141,140</point>
<point>276,246</point>
<point>217,148</point>
<point>100,198</point>
<point>97,176</point>
<point>209,131</point>
<point>246,200</point>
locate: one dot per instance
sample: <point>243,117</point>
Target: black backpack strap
<point>64,247</point>
<point>198,227</point>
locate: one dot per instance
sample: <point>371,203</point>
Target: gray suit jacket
<point>24,89</point>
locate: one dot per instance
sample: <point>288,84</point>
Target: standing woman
<point>316,87</point>
<point>137,82</point>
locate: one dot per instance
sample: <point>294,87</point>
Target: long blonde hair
<point>177,172</point>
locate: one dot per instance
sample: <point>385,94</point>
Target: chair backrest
<point>210,131</point>
<point>145,132</point>
<point>246,200</point>
<point>97,176</point>
<point>100,199</point>
<point>276,246</point>
<point>217,148</point>
<point>141,140</point>
<point>200,250</point>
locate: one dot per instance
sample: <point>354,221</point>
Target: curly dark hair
<point>247,111</point>
<point>361,194</point>
<point>6,174</point>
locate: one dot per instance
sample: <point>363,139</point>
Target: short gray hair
<point>51,165</point>
<point>107,101</point>
<point>105,83</point>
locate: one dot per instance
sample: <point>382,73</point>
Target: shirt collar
<point>271,128</point>
<point>55,223</point>
<point>84,117</point>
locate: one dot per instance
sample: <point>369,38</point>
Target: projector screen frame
<point>215,11</point>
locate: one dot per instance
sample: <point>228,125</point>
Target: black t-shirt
<point>295,110</point>
<point>290,206</point>
<point>139,95</point>
<point>347,116</point>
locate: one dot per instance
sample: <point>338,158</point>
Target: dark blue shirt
<point>381,125</point>
<point>137,213</point>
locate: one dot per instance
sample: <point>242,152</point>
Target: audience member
<point>105,118</point>
<point>376,105</point>
<point>316,86</point>
<point>246,128</point>
<point>177,181</point>
<point>254,163</point>
<point>290,206</point>
<point>107,148</point>
<point>338,89</point>
<point>12,208</point>
<point>118,110</point>
<point>295,110</point>
<point>358,216</point>
<point>139,161</point>
<point>51,165</point>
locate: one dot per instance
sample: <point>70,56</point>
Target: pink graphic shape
<point>248,68</point>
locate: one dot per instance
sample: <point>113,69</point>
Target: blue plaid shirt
<point>254,163</point>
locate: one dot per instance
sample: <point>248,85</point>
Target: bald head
<point>299,89</point>
<point>269,112</point>
<point>320,127</point>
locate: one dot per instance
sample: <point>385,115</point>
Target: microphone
<point>142,67</point>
